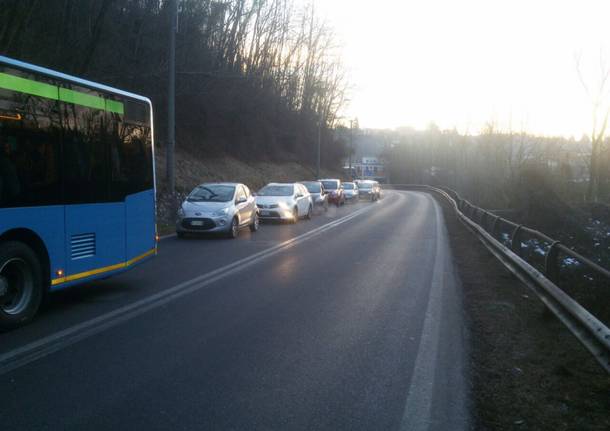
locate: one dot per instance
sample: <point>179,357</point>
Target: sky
<point>464,63</point>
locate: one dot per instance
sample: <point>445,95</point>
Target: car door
<point>303,202</point>
<point>250,203</point>
<point>308,198</point>
<point>241,204</point>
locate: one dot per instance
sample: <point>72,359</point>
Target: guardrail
<point>539,269</point>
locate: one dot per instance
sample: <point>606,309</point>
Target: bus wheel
<point>20,284</point>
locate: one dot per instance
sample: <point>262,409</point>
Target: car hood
<point>191,208</point>
<point>268,200</point>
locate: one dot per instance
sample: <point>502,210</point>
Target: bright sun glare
<point>465,63</point>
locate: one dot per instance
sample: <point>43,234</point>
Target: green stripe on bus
<point>78,98</point>
<point>114,106</point>
<point>40,89</point>
<point>22,85</point>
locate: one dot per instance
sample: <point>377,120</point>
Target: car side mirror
<point>298,195</point>
<point>241,200</point>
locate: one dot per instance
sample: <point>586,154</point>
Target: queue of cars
<point>229,207</point>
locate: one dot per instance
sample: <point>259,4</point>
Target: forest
<point>555,184</point>
<point>259,79</point>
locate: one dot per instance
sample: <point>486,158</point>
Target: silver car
<point>369,190</point>
<point>217,207</point>
<point>350,190</point>
<point>284,201</point>
<point>319,196</point>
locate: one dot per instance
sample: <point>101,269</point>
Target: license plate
<point>265,213</point>
<point>197,223</point>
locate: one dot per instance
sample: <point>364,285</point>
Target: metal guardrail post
<point>515,241</point>
<point>494,226</point>
<point>551,263</point>
<point>484,219</point>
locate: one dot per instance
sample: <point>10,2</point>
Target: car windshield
<point>331,185</point>
<point>313,187</point>
<point>211,193</point>
<point>348,186</point>
<point>365,185</point>
<point>276,190</point>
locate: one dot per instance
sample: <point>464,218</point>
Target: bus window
<point>29,150</point>
<point>130,152</point>
<point>85,155</point>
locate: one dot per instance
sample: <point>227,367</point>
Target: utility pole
<point>318,152</point>
<point>351,147</point>
<point>171,98</point>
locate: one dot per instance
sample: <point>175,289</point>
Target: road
<point>349,321</point>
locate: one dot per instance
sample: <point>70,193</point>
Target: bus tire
<point>21,284</point>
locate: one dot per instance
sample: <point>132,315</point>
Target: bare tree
<point>600,111</point>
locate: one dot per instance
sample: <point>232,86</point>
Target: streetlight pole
<point>318,152</point>
<point>351,147</point>
<point>171,98</point>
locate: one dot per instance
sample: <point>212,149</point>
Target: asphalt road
<point>350,321</point>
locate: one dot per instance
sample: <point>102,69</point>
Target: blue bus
<point>77,184</point>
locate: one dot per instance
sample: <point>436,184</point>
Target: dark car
<point>318,194</point>
<point>335,191</point>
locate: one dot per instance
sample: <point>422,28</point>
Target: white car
<point>284,201</point>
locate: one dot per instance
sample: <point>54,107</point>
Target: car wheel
<point>21,284</point>
<point>255,223</point>
<point>234,229</point>
<point>309,213</point>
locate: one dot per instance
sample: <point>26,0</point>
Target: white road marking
<point>52,343</point>
<point>417,413</point>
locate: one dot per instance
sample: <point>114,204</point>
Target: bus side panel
<point>95,237</point>
<point>47,222</point>
<point>140,223</point>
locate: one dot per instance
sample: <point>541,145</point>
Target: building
<point>368,168</point>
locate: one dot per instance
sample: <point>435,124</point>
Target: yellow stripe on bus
<point>97,271</point>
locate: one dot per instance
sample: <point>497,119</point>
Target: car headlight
<point>220,213</point>
<point>180,212</point>
<point>284,205</point>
